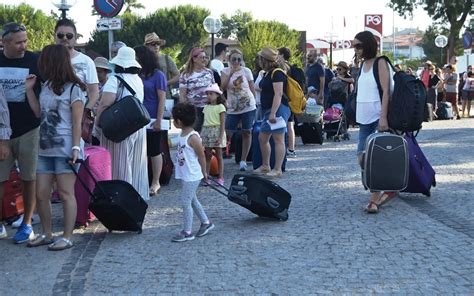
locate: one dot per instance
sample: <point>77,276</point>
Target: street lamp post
<point>441,41</point>
<point>212,25</point>
<point>64,6</point>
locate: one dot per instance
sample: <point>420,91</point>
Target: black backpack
<point>406,109</point>
<point>298,74</point>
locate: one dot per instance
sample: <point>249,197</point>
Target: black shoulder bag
<point>124,117</point>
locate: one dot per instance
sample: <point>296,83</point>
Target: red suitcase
<point>99,162</point>
<point>12,205</point>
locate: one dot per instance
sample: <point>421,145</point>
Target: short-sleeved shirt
<point>167,66</point>
<point>433,81</point>
<point>313,73</point>
<point>217,65</point>
<point>451,88</point>
<point>133,80</point>
<point>13,73</point>
<point>194,84</point>
<point>267,93</point>
<point>151,84</point>
<point>240,98</point>
<point>212,114</point>
<point>56,120</point>
<point>84,68</point>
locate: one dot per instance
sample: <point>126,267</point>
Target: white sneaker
<point>243,166</point>
<point>35,219</point>
<point>3,232</point>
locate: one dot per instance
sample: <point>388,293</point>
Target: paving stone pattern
<point>415,245</point>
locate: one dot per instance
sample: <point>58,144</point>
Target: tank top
<point>187,163</point>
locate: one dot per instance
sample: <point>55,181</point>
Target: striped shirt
<point>5,129</point>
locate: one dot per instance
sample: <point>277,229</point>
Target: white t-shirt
<point>240,98</point>
<point>56,120</point>
<point>133,80</point>
<point>187,165</point>
<point>217,65</point>
<point>85,68</point>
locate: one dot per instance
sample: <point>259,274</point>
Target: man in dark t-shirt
<point>315,75</point>
<point>18,67</point>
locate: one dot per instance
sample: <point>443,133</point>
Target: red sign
<point>373,24</point>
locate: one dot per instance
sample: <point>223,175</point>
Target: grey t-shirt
<point>56,120</point>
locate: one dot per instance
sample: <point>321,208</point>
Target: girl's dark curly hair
<point>184,112</point>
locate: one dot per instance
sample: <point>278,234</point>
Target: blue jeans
<point>247,119</point>
<point>53,165</point>
<point>365,130</point>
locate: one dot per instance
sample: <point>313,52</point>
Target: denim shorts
<point>247,119</point>
<point>53,165</point>
<point>283,111</point>
<point>365,130</point>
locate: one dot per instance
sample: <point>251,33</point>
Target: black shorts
<point>153,143</point>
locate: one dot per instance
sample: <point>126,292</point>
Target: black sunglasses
<point>358,46</point>
<point>69,36</point>
<point>154,44</point>
<point>236,59</point>
<point>12,28</point>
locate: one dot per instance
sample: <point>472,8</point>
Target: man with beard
<point>65,33</point>
<point>18,78</point>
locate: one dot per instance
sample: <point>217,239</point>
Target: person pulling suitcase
<point>190,169</point>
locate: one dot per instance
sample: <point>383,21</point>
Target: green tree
<point>452,12</point>
<point>132,4</point>
<point>258,34</point>
<point>39,27</point>
<point>234,24</point>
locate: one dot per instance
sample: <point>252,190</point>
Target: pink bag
<point>98,160</point>
<point>332,114</point>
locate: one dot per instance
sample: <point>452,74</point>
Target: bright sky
<point>317,19</point>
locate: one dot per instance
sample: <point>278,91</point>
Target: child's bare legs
<point>208,153</point>
<point>220,162</point>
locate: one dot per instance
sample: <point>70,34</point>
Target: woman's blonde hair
<point>189,68</point>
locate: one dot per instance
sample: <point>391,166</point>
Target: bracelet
<point>76,148</point>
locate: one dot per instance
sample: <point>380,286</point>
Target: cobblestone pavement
<point>415,245</point>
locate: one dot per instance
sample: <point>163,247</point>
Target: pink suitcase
<point>99,162</point>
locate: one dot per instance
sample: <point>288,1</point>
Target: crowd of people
<point>48,96</point>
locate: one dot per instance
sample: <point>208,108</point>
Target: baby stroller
<point>335,123</point>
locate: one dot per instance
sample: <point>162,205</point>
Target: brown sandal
<point>40,240</point>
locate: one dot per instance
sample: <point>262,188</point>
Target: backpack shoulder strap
<point>278,69</point>
<point>376,72</point>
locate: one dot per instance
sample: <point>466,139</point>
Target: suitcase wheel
<point>139,231</point>
<point>346,137</point>
<point>283,216</point>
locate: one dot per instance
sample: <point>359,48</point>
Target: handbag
<point>87,125</point>
<point>124,117</point>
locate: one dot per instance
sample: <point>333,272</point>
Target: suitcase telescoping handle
<point>81,161</point>
<point>218,187</point>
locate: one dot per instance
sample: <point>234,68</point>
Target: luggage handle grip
<point>81,161</point>
<point>218,187</point>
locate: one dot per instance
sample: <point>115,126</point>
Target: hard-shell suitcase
<point>98,160</point>
<point>260,196</point>
<point>444,111</point>
<point>311,133</point>
<point>385,166</point>
<point>12,203</point>
<point>116,204</point>
<point>257,153</point>
<point>422,174</point>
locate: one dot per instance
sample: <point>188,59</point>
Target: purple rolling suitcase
<point>422,174</point>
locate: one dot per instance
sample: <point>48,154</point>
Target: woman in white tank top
<point>371,112</point>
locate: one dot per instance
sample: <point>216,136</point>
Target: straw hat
<point>269,54</point>
<point>214,88</point>
<point>103,63</point>
<point>125,58</point>
<point>153,37</point>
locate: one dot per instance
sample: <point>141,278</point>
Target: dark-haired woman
<point>371,112</point>
<point>62,102</point>
<point>129,161</point>
<point>154,83</point>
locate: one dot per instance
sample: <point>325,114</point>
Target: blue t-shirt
<point>266,85</point>
<point>313,73</point>
<point>151,84</point>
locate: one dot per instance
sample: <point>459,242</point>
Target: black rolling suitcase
<point>311,133</point>
<point>260,196</point>
<point>385,164</point>
<point>116,204</point>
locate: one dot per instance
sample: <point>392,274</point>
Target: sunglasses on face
<point>14,28</point>
<point>153,44</point>
<point>236,60</point>
<point>69,36</point>
<point>358,46</point>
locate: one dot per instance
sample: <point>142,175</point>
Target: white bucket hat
<point>126,58</point>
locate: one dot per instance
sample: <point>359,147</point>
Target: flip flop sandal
<point>39,240</point>
<point>372,208</point>
<point>261,171</point>
<point>56,246</point>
